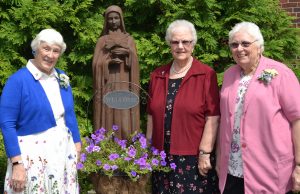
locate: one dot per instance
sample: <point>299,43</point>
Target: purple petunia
<point>113,157</point>
<point>122,143</point>
<point>127,159</point>
<point>163,163</point>
<point>83,157</point>
<point>114,167</point>
<point>106,166</point>
<point>173,166</point>
<point>98,162</point>
<point>115,127</point>
<point>131,152</point>
<point>148,166</point>
<point>133,173</point>
<point>90,148</point>
<point>143,142</point>
<point>137,136</point>
<point>140,161</point>
<point>155,162</point>
<point>154,151</point>
<point>98,138</point>
<point>79,166</point>
<point>104,151</point>
<point>163,154</point>
<point>100,131</point>
<point>96,149</point>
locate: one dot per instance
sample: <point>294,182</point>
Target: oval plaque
<point>121,99</point>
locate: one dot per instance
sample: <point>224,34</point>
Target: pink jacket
<point>266,138</point>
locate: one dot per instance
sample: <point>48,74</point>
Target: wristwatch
<point>17,162</point>
<point>201,152</point>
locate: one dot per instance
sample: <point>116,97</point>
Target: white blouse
<point>235,165</point>
<point>51,87</point>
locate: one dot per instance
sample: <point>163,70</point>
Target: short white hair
<point>181,23</point>
<point>249,28</point>
<point>50,36</point>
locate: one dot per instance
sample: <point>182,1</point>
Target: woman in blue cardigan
<point>38,123</point>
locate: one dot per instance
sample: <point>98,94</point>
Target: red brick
<point>289,10</point>
<point>296,9</point>
<point>293,14</point>
<point>283,1</point>
<point>287,5</point>
<point>296,1</point>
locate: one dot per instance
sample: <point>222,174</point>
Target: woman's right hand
<point>18,179</point>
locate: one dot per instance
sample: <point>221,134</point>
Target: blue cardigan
<point>25,110</point>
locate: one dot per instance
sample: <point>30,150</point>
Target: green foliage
<point>3,162</point>
<point>81,22</point>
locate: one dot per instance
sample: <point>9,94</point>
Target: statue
<point>115,67</point>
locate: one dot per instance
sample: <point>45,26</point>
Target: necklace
<point>186,68</point>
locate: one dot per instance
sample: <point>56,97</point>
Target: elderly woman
<point>38,123</point>
<point>183,113</point>
<point>259,141</point>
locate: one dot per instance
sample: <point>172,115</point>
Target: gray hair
<point>251,29</point>
<point>50,36</point>
<point>181,23</point>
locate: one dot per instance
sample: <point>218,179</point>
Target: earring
<point>33,53</point>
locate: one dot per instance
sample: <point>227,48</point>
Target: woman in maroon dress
<point>183,114</point>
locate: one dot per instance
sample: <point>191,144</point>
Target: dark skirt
<point>186,178</point>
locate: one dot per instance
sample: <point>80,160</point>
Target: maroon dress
<point>186,178</point>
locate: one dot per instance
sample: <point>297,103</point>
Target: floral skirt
<point>186,178</point>
<point>50,160</point>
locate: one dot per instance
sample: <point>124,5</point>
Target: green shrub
<point>3,162</point>
<point>81,22</point>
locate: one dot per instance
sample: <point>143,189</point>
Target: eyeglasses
<point>183,42</point>
<point>244,44</point>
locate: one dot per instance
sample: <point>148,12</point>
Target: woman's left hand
<point>204,164</point>
<point>78,149</point>
<point>296,179</point>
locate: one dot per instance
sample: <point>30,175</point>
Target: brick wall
<point>293,8</point>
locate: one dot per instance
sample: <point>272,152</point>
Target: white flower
<point>267,75</point>
<point>64,80</point>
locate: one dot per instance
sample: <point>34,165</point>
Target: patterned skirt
<point>186,178</point>
<point>50,160</point>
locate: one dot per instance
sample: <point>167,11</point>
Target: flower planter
<point>120,184</point>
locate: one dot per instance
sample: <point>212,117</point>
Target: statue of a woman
<point>115,67</point>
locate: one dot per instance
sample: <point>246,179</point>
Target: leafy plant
<point>105,153</point>
<point>3,162</point>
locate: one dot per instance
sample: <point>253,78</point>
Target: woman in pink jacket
<point>259,138</point>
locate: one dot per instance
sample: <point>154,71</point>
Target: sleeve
<point>212,98</point>
<point>9,113</point>
<point>289,94</point>
<point>72,121</point>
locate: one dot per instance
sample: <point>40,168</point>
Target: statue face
<point>113,21</point>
